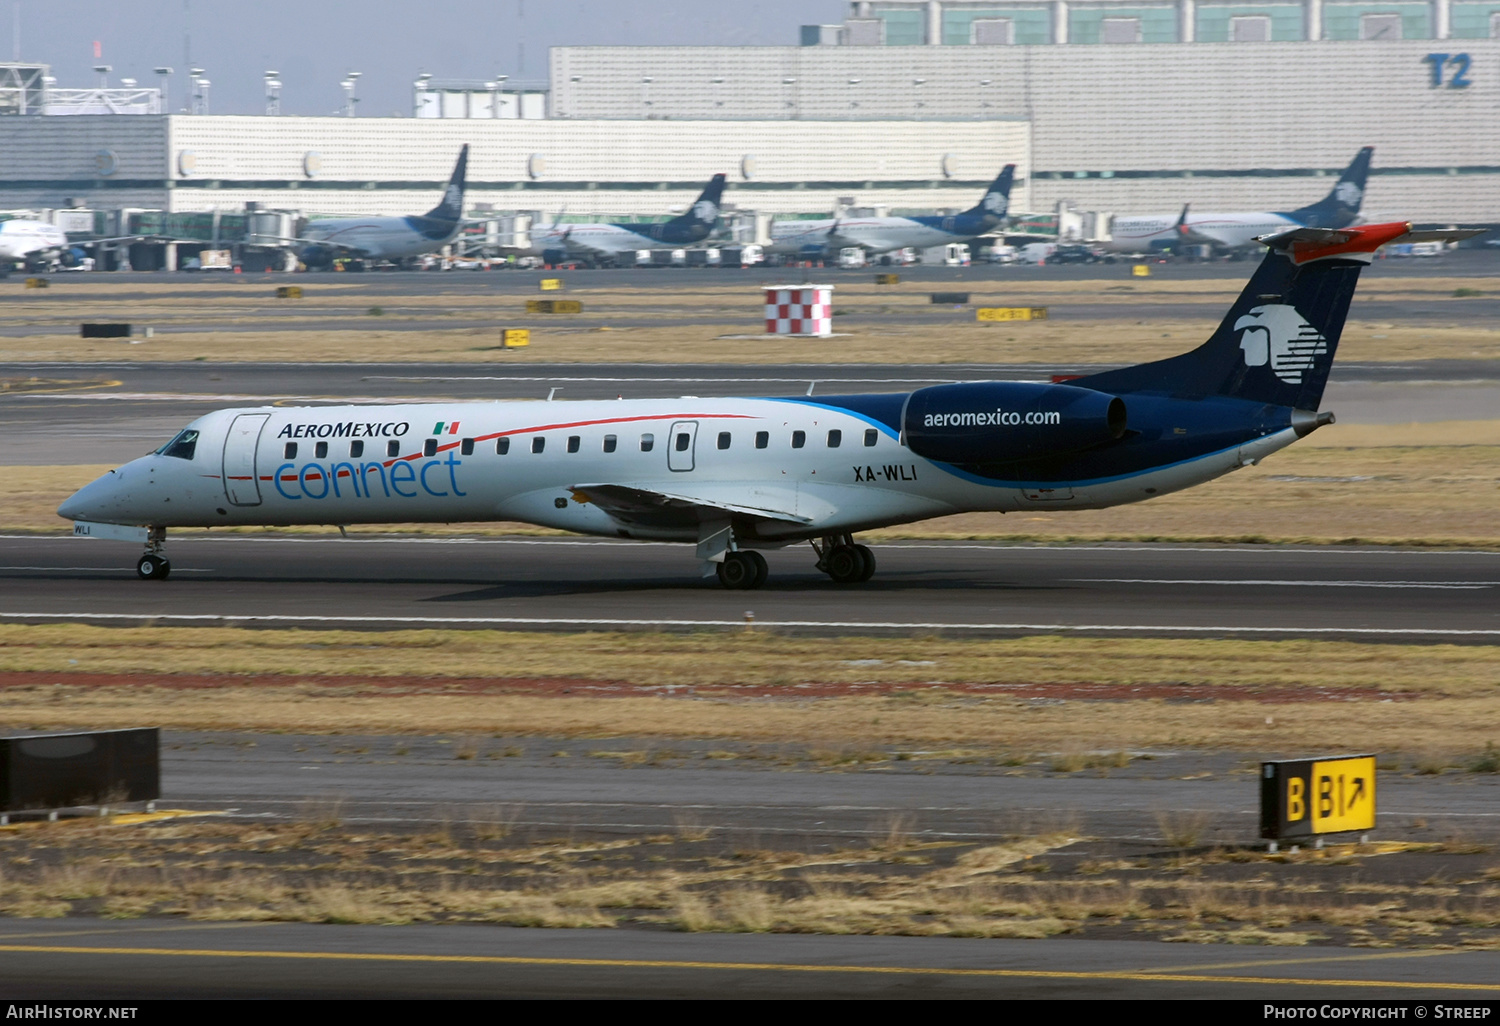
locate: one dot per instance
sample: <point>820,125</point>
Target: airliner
<point>387,238</point>
<point>32,244</point>
<point>612,242</point>
<point>817,240</point>
<point>735,476</point>
<point>1339,209</point>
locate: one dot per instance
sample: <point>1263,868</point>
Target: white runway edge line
<point>1436,585</point>
<point>859,625</point>
<point>1161,548</point>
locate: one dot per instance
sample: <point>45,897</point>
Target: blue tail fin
<point>705,209</point>
<point>1341,206</point>
<point>995,203</point>
<point>451,209</point>
<point>1277,343</point>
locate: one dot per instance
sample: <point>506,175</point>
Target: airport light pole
<point>852,83</point>
<point>273,94</point>
<point>198,102</point>
<point>350,81</point>
<point>103,70</point>
<point>718,92</point>
<point>916,96</point>
<point>418,90</point>
<point>984,84</point>
<point>500,81</point>
<point>791,103</point>
<point>163,74</point>
<point>646,96</point>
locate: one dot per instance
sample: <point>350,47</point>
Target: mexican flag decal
<point>443,426</point>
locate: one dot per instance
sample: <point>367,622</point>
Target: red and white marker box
<point>799,310</point>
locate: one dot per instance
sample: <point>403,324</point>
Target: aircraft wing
<point>651,502</point>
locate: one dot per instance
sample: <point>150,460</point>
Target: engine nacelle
<point>991,422</point>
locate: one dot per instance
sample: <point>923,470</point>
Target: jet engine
<point>992,422</point>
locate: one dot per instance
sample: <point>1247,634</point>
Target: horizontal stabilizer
<point>1304,244</point>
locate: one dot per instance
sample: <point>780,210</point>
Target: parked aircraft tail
<point>1277,343</point>
<point>451,208</point>
<point>995,203</point>
<point>1341,206</point>
<point>705,209</point>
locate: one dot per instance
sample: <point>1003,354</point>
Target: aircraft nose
<point>94,501</point>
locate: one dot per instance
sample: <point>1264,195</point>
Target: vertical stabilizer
<point>1277,342</point>
<point>1340,207</point>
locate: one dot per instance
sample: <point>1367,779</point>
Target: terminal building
<point>904,107</point>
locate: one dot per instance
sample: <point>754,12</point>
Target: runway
<point>98,959</point>
<point>971,589</point>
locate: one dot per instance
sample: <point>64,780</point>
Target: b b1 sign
<point>1312,797</point>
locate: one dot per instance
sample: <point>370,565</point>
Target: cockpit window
<point>182,447</point>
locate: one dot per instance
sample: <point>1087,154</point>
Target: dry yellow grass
<point>218,871</point>
<point>728,306</point>
<point>1454,687</point>
<point>1430,484</point>
<point>759,659</point>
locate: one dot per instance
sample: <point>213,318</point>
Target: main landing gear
<point>153,566</point>
<point>844,561</point>
<point>744,570</point>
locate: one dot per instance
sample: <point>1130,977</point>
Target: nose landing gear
<point>844,561</point>
<point>153,566</point>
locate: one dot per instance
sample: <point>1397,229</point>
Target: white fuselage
<point>1227,231</point>
<point>872,234</point>
<point>376,238</point>
<point>21,240</point>
<point>332,465</point>
<point>603,239</point>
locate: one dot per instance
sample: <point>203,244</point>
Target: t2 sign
<point>1454,67</point>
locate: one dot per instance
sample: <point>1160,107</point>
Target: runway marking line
<point>785,967</point>
<point>541,621</point>
<point>1425,953</point>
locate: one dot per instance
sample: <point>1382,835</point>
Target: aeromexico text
<point>349,429</point>
<point>999,417</point>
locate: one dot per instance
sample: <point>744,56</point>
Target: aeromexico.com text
<point>999,417</point>
<point>349,429</point>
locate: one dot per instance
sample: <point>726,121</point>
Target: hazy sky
<point>312,43</point>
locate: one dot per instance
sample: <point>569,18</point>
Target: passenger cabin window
<point>392,448</point>
<point>610,441</point>
<point>683,441</point>
<point>538,443</point>
<point>762,439</point>
<point>835,438</point>
<point>429,447</point>
<point>502,446</point>
<point>290,451</point>
<point>466,447</point>
<point>648,442</point>
<point>321,450</point>
<point>574,442</point>
<point>356,448</point>
<point>871,436</point>
<point>723,439</point>
<point>799,439</point>
<point>183,446</point>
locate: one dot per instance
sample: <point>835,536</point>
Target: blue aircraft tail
<point>704,212</point>
<point>995,203</point>
<point>451,208</point>
<point>1277,343</point>
<point>1341,206</point>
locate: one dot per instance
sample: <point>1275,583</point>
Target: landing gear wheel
<point>761,570</point>
<point>846,565</point>
<point>738,572</point>
<point>152,568</point>
<point>868,558</point>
